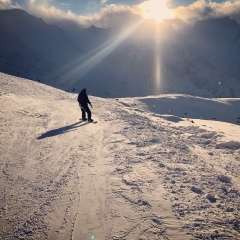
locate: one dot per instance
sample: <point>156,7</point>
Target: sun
<point>155,9</point>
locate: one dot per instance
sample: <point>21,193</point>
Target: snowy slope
<point>31,48</point>
<point>142,172</point>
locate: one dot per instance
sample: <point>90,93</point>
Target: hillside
<point>31,48</point>
<point>152,168</point>
<point>203,60</point>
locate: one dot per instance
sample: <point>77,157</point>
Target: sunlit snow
<point>162,167</point>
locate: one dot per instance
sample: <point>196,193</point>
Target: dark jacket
<point>83,98</point>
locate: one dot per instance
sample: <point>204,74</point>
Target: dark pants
<point>84,110</point>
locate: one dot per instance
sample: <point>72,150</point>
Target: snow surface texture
<point>151,168</point>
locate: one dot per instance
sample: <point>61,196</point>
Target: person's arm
<point>89,101</point>
<point>78,99</point>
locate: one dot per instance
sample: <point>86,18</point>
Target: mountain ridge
<point>201,60</point>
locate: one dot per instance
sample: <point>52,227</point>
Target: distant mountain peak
<point>218,23</point>
<point>20,18</point>
<point>94,29</point>
<point>203,60</point>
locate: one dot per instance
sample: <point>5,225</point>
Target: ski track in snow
<point>133,175</point>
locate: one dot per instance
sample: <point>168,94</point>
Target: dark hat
<point>84,90</point>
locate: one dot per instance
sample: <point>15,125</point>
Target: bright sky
<point>109,12</point>
<point>84,7</point>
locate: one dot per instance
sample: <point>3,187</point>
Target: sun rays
<point>76,70</point>
<point>157,61</point>
<point>74,73</point>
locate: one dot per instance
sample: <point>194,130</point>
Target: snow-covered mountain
<point>203,60</point>
<point>163,167</point>
<point>31,48</point>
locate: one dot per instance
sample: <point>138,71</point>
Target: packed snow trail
<point>53,169</point>
<point>133,175</point>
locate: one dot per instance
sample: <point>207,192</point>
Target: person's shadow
<point>61,130</point>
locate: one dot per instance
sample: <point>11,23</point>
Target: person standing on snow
<point>83,103</point>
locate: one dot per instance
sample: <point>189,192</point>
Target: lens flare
<point>157,62</point>
<point>155,9</point>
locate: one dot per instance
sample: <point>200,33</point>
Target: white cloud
<point>115,16</point>
<point>109,16</point>
<point>112,15</point>
<point>104,1</point>
<point>201,9</point>
<point>7,4</point>
<point>65,4</point>
<point>32,1</point>
<point>53,14</point>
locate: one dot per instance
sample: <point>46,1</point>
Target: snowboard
<point>87,121</point>
<point>92,121</point>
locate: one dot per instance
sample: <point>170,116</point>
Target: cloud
<point>113,15</point>
<point>52,14</point>
<point>109,16</point>
<point>201,9</point>
<point>7,4</point>
<point>104,1</point>
<point>32,1</point>
<point>65,4</point>
<point>116,15</point>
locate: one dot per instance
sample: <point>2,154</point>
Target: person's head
<point>84,90</point>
